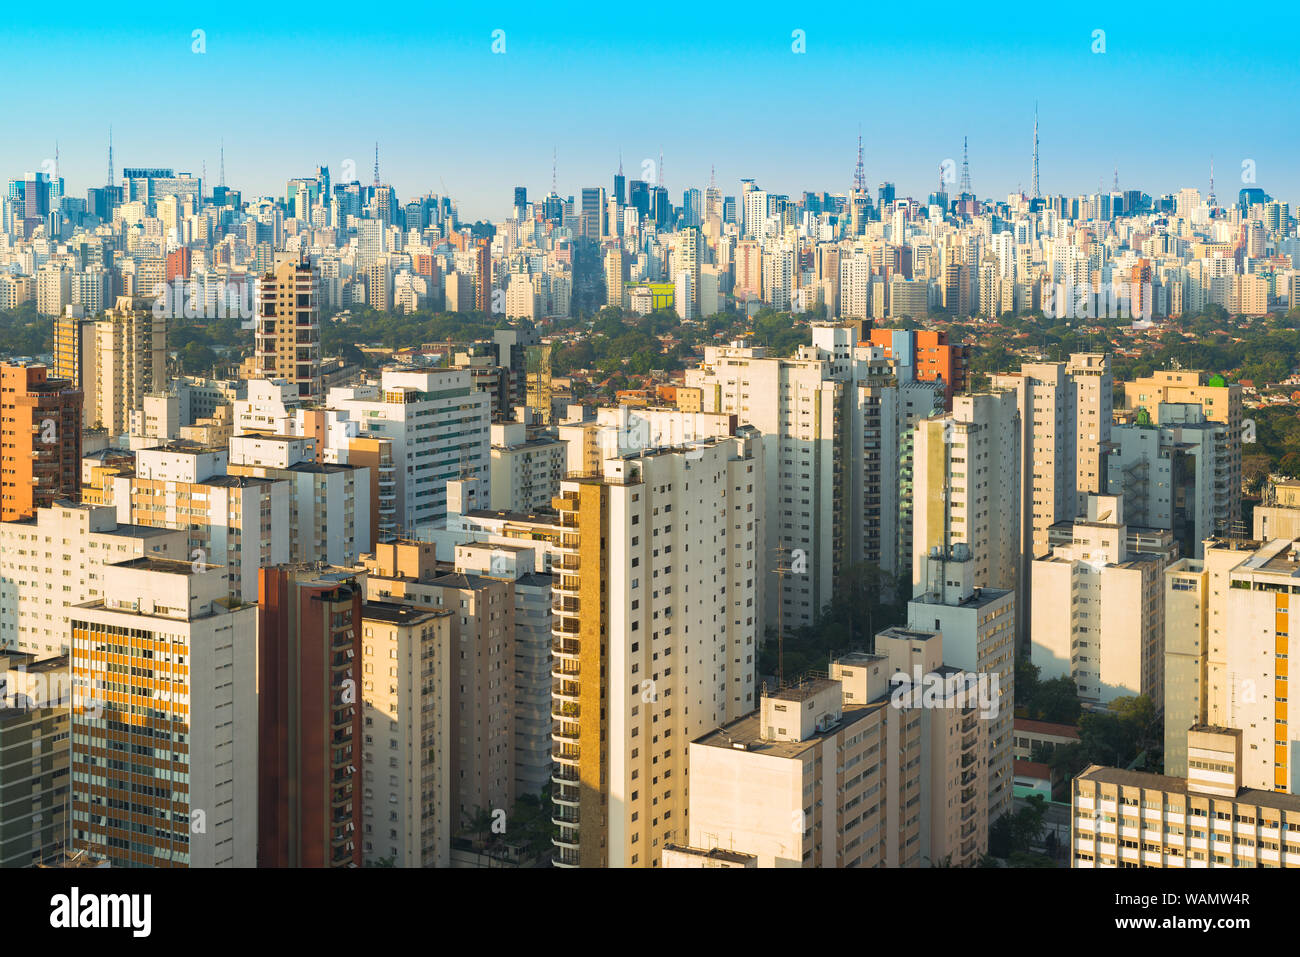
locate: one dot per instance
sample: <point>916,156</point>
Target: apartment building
<point>287,332</point>
<point>170,660</point>
<point>36,700</point>
<point>850,771</point>
<point>832,419</point>
<point>1204,818</point>
<point>1166,472</point>
<point>978,628</point>
<point>40,440</point>
<point>56,559</point>
<point>532,659</point>
<point>1278,515</point>
<point>273,407</point>
<point>237,520</point>
<point>526,464</point>
<point>643,665</point>
<point>438,426</point>
<point>481,699</point>
<point>1065,420</point>
<point>1228,644</point>
<point>405,755</point>
<point>130,362</point>
<point>964,487</point>
<point>329,514</point>
<point>1221,403</point>
<point>1098,610</point>
<point>308,768</point>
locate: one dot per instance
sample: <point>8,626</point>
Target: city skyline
<point>764,112</point>
<point>1225,189</point>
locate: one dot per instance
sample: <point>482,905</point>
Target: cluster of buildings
<point>851,255</point>
<point>303,617</point>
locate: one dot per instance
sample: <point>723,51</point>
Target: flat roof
<point>802,691</point>
<point>715,853</point>
<point>400,614</point>
<point>1159,782</point>
<point>747,732</point>
<point>169,565</point>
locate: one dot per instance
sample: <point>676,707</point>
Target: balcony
<point>565,776</point>
<point>564,711</point>
<point>565,858</point>
<point>564,817</point>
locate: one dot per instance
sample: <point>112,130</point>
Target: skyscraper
<point>40,440</point>
<point>166,665</point>
<point>655,639</point>
<point>287,336</point>
<point>309,778</point>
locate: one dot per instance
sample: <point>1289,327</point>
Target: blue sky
<point>290,88</point>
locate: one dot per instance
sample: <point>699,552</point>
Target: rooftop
<point>1171,785</point>
<point>400,614</point>
<point>745,734</point>
<point>803,690</point>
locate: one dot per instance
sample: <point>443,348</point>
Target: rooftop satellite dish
<point>1104,516</point>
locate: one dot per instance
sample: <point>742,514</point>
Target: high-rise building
<point>481,696</point>
<point>130,362</point>
<point>287,333</point>
<point>406,765</point>
<point>927,352</point>
<point>847,771</point>
<point>1065,419</point>
<point>239,521</point>
<point>56,559</point>
<point>964,480</point>
<point>1166,473</point>
<point>169,664</point>
<point>329,513</point>
<point>520,565</point>
<point>36,699</point>
<point>309,717</point>
<point>439,427</point>
<point>1221,402</point>
<point>835,421</point>
<point>1227,647</point>
<point>978,628</point>
<point>655,639</point>
<point>1098,610</point>
<point>1278,515</point>
<point>40,440</point>
<point>527,465</point>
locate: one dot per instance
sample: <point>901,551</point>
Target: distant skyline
<point>288,92</point>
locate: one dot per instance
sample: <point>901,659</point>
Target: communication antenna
<point>965,166</point>
<point>860,172</point>
<point>1037,194</point>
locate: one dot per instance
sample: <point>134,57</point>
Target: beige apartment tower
<point>655,643</point>
<point>287,334</point>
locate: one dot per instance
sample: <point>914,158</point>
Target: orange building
<point>179,263</point>
<point>40,440</point>
<point>930,355</point>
